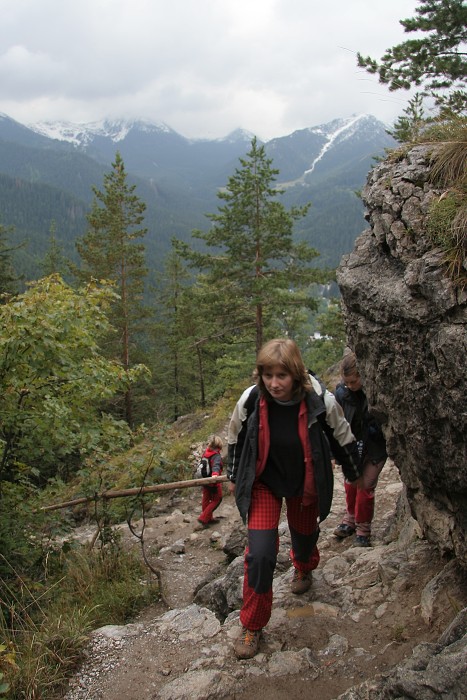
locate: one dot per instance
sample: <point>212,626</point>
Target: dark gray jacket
<point>358,415</point>
<point>243,450</point>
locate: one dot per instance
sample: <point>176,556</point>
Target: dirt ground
<point>377,642</point>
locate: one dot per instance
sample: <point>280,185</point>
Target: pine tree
<point>326,347</point>
<point>188,339</point>
<point>170,335</point>
<point>411,124</point>
<point>436,61</point>
<point>8,277</point>
<point>256,271</point>
<point>110,251</point>
<point>53,262</point>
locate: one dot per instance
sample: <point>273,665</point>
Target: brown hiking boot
<point>247,644</point>
<point>301,582</point>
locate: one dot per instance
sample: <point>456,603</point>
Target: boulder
<point>405,320</point>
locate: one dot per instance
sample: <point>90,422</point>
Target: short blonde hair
<point>215,442</point>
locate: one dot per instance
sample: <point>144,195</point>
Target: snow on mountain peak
<point>238,135</point>
<point>83,134</point>
<point>340,125</point>
<point>337,130</point>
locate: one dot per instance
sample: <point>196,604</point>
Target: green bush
<point>49,627</point>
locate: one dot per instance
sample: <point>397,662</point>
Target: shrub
<point>48,632</point>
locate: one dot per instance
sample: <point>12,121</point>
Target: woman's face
<point>278,382</point>
<point>353,381</point>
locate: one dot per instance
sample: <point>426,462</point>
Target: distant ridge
<point>178,178</point>
<point>81,134</point>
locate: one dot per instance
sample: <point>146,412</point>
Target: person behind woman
<point>278,449</point>
<point>212,493</point>
<point>360,498</point>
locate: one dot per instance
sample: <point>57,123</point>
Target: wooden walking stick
<point>155,488</point>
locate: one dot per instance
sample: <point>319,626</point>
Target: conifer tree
<point>437,61</point>
<point>256,270</point>
<point>169,333</point>
<point>110,251</point>
<point>410,125</point>
<point>187,339</point>
<point>8,277</point>
<point>327,346</point>
<point>53,262</point>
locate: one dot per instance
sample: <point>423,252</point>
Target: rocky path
<point>366,611</point>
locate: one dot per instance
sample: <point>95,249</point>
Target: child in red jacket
<point>212,493</point>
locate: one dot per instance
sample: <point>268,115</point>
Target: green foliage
<point>18,529</point>
<point>7,663</point>
<point>442,214</point>
<point>53,379</point>
<point>29,208</point>
<point>8,277</point>
<point>256,269</point>
<point>50,628</point>
<point>337,215</point>
<point>409,128</point>
<point>447,218</point>
<point>110,581</point>
<point>52,595</point>
<point>178,339</point>
<point>110,251</point>
<point>119,472</point>
<point>31,202</point>
<point>324,351</point>
<point>435,61</point>
<point>108,248</point>
<point>54,262</point>
<point>4,687</point>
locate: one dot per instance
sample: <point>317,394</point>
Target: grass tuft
<point>447,218</point>
<point>49,633</point>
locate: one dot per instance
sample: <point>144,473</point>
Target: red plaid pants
<point>263,545</point>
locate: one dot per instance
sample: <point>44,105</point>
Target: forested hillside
<point>178,179</point>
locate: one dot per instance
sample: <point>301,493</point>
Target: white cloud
<point>23,71</point>
<point>204,67</point>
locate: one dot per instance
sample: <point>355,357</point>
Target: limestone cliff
<point>406,322</point>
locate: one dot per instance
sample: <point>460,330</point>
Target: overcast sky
<point>204,67</point>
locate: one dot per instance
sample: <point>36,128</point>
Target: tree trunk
<point>201,375</point>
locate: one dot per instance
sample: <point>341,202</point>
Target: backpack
<point>203,469</point>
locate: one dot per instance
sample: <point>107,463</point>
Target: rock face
<point>406,323</point>
<point>434,671</point>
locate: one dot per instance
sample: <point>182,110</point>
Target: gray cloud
<point>204,67</point>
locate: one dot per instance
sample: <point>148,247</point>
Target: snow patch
<point>333,132</point>
<point>83,134</point>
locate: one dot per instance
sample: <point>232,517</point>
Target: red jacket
<point>215,461</point>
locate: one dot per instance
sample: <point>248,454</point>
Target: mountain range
<point>48,171</point>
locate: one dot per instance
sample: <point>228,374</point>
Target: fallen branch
<point>190,483</point>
